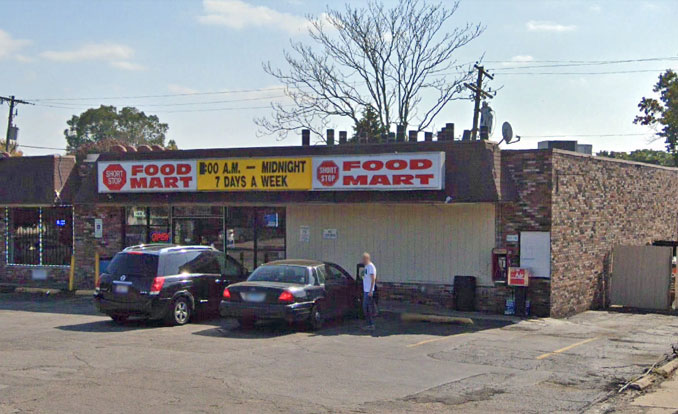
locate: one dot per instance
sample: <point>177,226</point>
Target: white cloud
<point>518,60</point>
<point>237,14</point>
<point>596,8</point>
<point>117,55</point>
<point>174,88</point>
<point>91,51</point>
<point>9,46</point>
<point>544,26</point>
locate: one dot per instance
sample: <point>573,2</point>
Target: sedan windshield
<point>280,274</point>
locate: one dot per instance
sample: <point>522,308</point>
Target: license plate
<point>121,288</point>
<point>253,297</point>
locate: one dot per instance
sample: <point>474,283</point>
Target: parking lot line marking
<point>567,348</point>
<point>428,341</point>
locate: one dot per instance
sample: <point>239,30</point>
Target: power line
<point>620,72</point>
<point>556,63</point>
<point>169,95</point>
<point>65,105</point>
<point>38,147</point>
<point>584,135</point>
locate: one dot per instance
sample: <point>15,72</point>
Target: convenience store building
<point>426,211</point>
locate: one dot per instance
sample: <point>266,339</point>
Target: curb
<point>55,291</point>
<point>667,369</point>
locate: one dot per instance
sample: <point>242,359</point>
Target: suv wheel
<point>179,312</point>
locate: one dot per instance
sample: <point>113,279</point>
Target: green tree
<point>369,126</point>
<point>647,156</point>
<point>13,148</point>
<point>661,112</point>
<point>129,126</point>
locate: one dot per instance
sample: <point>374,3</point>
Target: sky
<point>207,56</point>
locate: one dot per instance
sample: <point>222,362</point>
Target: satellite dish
<point>507,132</point>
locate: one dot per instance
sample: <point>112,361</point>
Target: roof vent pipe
<point>305,137</point>
<point>330,137</point>
<point>342,137</point>
<point>428,136</point>
<point>413,135</point>
<point>400,133</point>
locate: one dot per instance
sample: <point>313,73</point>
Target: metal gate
<point>641,276</point>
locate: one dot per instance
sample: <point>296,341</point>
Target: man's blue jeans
<point>368,308</point>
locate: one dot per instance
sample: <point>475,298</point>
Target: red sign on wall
<point>518,276</point>
<point>114,177</point>
<point>327,173</point>
<point>386,172</point>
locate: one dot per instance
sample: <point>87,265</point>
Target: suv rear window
<point>189,262</point>
<point>145,265</point>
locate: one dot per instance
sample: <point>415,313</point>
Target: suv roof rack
<point>181,248</point>
<point>166,248</point>
<point>146,245</point>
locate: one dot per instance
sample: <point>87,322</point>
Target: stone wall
<point>599,203</point>
<point>86,246</point>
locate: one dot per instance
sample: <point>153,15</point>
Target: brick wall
<point>526,188</point>
<point>86,245</point>
<point>597,204</point>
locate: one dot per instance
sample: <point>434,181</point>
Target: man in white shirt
<point>369,282</point>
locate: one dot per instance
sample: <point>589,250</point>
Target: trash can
<point>464,293</point>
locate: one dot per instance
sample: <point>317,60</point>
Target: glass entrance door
<point>255,235</point>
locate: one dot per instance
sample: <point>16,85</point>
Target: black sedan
<point>294,291</point>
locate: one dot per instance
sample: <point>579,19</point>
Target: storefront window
<point>202,231</point>
<point>147,225</point>
<point>40,236</point>
<point>198,211</point>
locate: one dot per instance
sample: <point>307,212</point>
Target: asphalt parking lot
<point>58,355</point>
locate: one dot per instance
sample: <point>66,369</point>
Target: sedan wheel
<point>180,312</point>
<point>315,320</point>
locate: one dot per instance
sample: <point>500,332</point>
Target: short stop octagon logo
<point>327,173</point>
<point>114,177</point>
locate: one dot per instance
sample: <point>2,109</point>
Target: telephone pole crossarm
<point>10,119</point>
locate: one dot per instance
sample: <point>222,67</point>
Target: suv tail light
<point>286,297</point>
<point>227,294</point>
<point>157,285</point>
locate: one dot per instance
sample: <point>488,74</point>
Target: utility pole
<point>12,102</point>
<point>479,94</point>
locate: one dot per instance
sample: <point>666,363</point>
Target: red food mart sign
<point>385,172</point>
<point>147,176</point>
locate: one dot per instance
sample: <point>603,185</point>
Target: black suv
<point>165,282</point>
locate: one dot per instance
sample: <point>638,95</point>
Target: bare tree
<point>388,60</point>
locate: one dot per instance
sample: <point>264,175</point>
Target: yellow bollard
<point>96,269</point>
<point>71,275</point>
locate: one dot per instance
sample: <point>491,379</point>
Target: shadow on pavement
<point>107,325</point>
<point>53,303</point>
<point>387,324</point>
